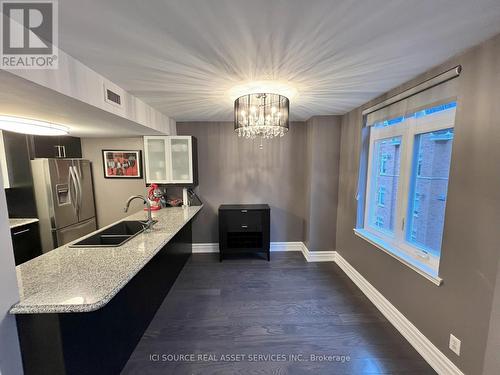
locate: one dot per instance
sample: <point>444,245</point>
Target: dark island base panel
<point>102,341</point>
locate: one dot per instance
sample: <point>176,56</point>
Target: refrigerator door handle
<point>73,182</point>
<point>80,177</point>
<point>79,182</point>
<point>87,204</point>
<point>71,188</point>
<point>79,190</point>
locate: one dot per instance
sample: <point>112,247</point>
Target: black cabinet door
<point>42,147</point>
<point>17,158</point>
<point>55,147</point>
<point>26,242</point>
<point>72,146</point>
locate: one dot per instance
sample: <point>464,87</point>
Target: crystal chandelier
<point>261,115</point>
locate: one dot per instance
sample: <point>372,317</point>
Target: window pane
<point>384,180</point>
<point>429,186</point>
<point>180,159</point>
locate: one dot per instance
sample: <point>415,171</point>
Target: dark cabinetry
<point>55,147</point>
<point>16,173</point>
<point>17,161</point>
<point>244,228</point>
<point>26,242</point>
<point>100,342</point>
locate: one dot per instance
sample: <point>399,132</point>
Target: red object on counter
<point>154,196</point>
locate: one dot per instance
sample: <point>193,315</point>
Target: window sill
<point>403,258</point>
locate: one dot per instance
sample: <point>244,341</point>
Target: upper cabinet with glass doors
<point>171,160</point>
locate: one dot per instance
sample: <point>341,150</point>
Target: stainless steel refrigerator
<point>64,198</point>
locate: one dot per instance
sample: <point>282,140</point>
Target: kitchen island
<point>83,310</point>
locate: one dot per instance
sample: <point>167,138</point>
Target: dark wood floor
<point>285,307</point>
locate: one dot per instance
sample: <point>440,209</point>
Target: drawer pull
<point>244,211</point>
<point>21,232</point>
<point>244,226</point>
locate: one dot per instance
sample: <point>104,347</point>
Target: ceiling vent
<point>113,95</point>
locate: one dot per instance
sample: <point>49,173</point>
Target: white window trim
<point>417,259</point>
<point>361,233</point>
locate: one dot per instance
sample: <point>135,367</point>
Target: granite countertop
<point>14,223</point>
<point>67,280</point>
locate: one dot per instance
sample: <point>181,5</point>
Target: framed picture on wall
<point>122,163</point>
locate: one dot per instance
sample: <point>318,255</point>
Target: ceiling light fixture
<point>262,115</point>
<point>283,88</point>
<point>29,126</point>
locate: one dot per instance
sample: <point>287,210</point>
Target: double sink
<point>114,236</point>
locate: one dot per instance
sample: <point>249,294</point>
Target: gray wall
<point>322,170</point>
<point>234,170</point>
<point>297,175</point>
<point>10,355</point>
<point>492,357</point>
<point>111,194</point>
<point>471,237</point>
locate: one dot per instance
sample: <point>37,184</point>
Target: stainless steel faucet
<point>148,225</point>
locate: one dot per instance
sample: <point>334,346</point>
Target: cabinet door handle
<point>61,151</point>
<point>21,232</point>
<point>244,226</point>
<point>244,211</point>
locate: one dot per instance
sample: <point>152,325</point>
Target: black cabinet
<point>244,228</point>
<point>26,242</point>
<point>55,147</point>
<point>17,178</point>
<point>17,161</point>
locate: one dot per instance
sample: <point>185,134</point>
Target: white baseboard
<point>286,246</point>
<point>212,247</point>
<point>310,256</point>
<point>318,256</point>
<point>209,247</point>
<point>432,355</point>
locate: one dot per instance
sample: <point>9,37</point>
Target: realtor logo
<point>29,34</point>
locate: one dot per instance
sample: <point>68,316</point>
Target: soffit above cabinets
<point>183,56</point>
<point>81,99</point>
<point>26,99</point>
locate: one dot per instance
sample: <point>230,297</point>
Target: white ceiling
<point>183,56</point>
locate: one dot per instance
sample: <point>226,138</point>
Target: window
<point>416,203</point>
<point>385,178</point>
<point>381,196</point>
<point>419,165</point>
<point>383,164</point>
<point>409,161</point>
<point>413,234</point>
<point>428,186</point>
